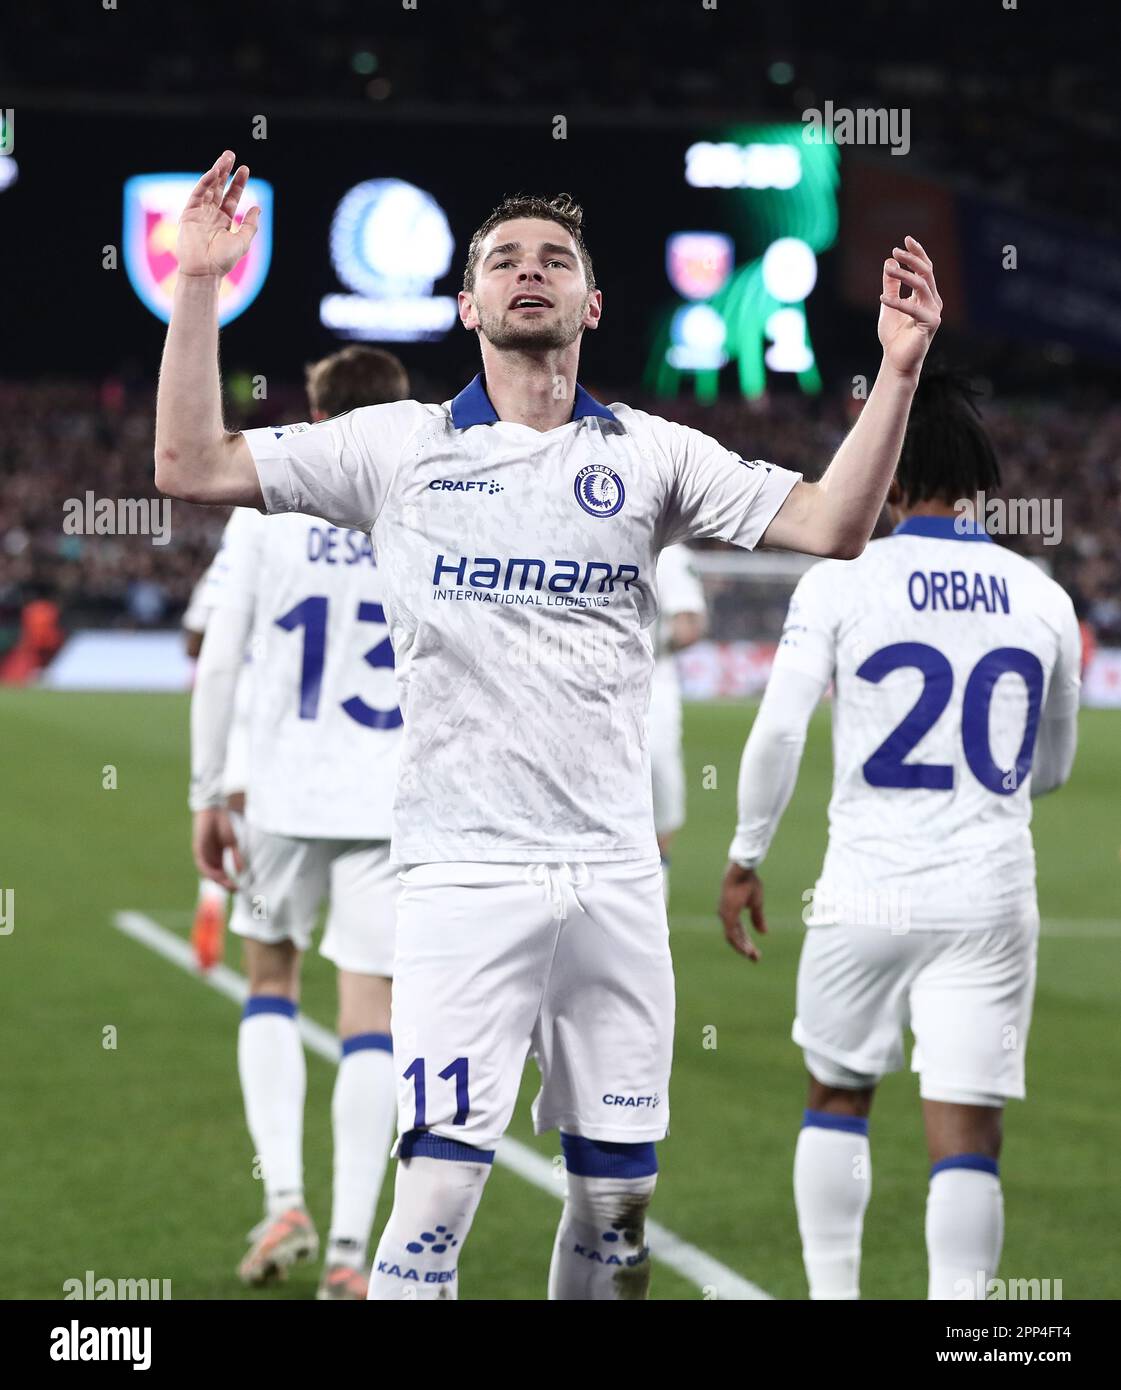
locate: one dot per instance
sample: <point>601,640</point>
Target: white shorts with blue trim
<point>286,880</point>
<point>967,997</point>
<point>569,962</point>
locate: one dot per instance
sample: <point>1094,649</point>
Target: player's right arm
<point>231,592</point>
<point>802,670</point>
<point>196,458</point>
<point>212,712</point>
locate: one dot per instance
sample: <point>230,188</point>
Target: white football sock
<point>832,1185</point>
<point>434,1203</point>
<point>270,1062</point>
<point>600,1251</point>
<point>665,880</point>
<point>363,1116</point>
<point>964,1226</point>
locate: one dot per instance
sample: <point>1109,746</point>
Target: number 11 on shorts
<point>415,1073</point>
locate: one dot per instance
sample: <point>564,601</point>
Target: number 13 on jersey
<point>311,614</point>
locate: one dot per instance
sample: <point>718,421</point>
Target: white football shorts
<point>285,881</point>
<point>568,961</point>
<point>967,997</point>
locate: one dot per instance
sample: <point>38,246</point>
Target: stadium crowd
<point>985,113</point>
<point>60,440</point>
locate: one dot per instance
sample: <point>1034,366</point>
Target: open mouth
<point>530,302</point>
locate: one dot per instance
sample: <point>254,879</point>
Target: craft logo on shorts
<point>599,490</point>
<point>153,204</point>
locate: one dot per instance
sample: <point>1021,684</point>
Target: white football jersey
<point>518,577</point>
<point>944,649</point>
<point>195,614</point>
<point>324,723</point>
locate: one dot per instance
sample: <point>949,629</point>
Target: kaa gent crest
<point>153,203</point>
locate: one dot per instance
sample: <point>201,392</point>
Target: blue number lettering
<point>886,768</point>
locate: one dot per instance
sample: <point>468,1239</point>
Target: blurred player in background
<point>208,930</point>
<point>518,530</point>
<point>682,620</point>
<point>955,665</point>
<point>324,730</point>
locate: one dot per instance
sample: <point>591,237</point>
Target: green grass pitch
<point>133,1161</point>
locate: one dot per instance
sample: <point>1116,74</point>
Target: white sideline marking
<point>693,1264</point>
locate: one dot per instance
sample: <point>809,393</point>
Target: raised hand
<point>208,242</point>
<point>907,326</point>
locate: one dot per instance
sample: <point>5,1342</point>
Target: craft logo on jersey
<point>153,204</point>
<point>599,490</point>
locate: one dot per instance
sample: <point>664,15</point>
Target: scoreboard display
<point>706,243</point>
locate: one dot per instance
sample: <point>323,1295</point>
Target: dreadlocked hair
<point>947,453</point>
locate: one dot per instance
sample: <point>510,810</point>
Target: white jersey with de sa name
<point>325,727</point>
<point>945,650</point>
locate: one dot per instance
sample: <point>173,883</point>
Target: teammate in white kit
<point>955,666</point>
<point>682,619</point>
<point>208,929</point>
<point>517,530</point>
<point>324,729</point>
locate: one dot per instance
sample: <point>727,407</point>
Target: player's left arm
<point>836,515</point>
<point>1057,738</point>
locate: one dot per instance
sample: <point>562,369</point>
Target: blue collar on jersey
<point>942,528</point>
<point>472,406</point>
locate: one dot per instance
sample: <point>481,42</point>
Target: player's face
<point>530,291</point>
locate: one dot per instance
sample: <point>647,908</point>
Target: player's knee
<point>364,1004</point>
<point>440,1157</point>
<point>272,967</point>
<point>609,1190</point>
<point>848,1101</point>
<point>953,1130</point>
<point>615,1181</point>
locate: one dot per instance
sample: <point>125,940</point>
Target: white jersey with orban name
<point>945,651</point>
<point>324,722</point>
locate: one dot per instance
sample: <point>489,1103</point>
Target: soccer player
<point>955,667</point>
<point>208,930</point>
<point>517,525</point>
<point>683,618</point>
<point>324,734</point>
